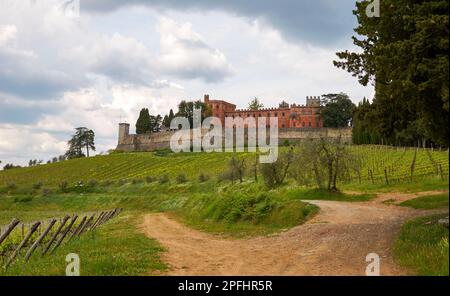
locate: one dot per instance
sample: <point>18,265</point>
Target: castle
<point>295,123</point>
<point>289,116</point>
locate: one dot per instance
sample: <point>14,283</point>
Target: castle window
<point>282,114</point>
<point>276,114</point>
<point>303,124</point>
<point>309,123</point>
<point>282,125</point>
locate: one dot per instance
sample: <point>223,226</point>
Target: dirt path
<point>335,242</point>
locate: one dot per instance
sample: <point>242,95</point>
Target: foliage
<point>283,104</point>
<point>181,178</point>
<point>143,122</point>
<point>83,138</point>
<point>255,104</point>
<point>337,111</point>
<point>186,109</point>
<point>404,53</point>
<point>275,173</point>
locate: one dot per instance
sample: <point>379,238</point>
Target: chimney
<point>206,98</point>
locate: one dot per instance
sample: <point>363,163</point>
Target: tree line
<point>404,55</point>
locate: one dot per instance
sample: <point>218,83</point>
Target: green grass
<point>115,248</point>
<point>119,180</point>
<point>139,165</point>
<point>321,194</point>
<point>422,246</point>
<point>438,201</point>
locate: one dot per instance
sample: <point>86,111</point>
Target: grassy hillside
<point>129,166</point>
<point>132,181</point>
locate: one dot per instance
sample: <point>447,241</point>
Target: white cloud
<point>184,53</point>
<point>7,33</point>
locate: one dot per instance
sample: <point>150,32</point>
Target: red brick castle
<point>289,116</point>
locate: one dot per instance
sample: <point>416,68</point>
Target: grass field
<point>134,166</point>
<point>132,181</point>
<point>116,248</point>
<point>423,246</point>
<point>438,201</point>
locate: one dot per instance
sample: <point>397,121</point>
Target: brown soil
<point>334,242</point>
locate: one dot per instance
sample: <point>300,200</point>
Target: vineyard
<point>46,237</point>
<point>379,164</point>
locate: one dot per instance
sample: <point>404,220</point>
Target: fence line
<point>36,235</point>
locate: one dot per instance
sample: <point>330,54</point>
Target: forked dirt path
<point>335,242</point>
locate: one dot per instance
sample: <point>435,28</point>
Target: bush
<point>122,182</point>
<point>181,178</point>
<point>37,186</point>
<point>136,181</point>
<point>164,179</point>
<point>92,183</point>
<point>149,179</point>
<point>63,186</point>
<point>45,192</point>
<point>275,173</point>
<point>11,186</point>
<point>203,178</point>
<point>107,183</point>
<point>23,199</point>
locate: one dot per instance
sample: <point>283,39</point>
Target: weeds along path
<point>334,242</point>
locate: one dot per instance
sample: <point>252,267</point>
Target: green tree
<point>255,104</point>
<point>185,109</point>
<point>143,122</point>
<point>283,104</point>
<point>82,139</point>
<point>338,110</point>
<point>404,54</point>
<point>274,174</point>
<point>155,123</point>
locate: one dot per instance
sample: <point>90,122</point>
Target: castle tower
<point>313,101</point>
<point>124,132</point>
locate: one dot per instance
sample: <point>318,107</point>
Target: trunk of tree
<point>330,174</point>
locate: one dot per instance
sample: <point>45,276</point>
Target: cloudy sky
<point>60,70</point>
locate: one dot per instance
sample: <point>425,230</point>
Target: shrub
<point>63,186</point>
<point>45,192</point>
<point>37,186</point>
<point>23,199</point>
<point>122,182</point>
<point>164,179</point>
<point>92,183</point>
<point>149,179</point>
<point>136,181</point>
<point>107,183</point>
<point>203,178</point>
<point>181,178</point>
<point>11,186</point>
<point>275,173</point>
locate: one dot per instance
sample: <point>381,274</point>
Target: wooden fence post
<point>8,229</point>
<point>80,225</point>
<point>63,235</point>
<point>38,241</point>
<point>86,224</point>
<point>58,230</point>
<point>386,176</point>
<point>22,244</point>
<point>97,220</point>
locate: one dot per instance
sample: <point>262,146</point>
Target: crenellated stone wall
<point>155,141</point>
